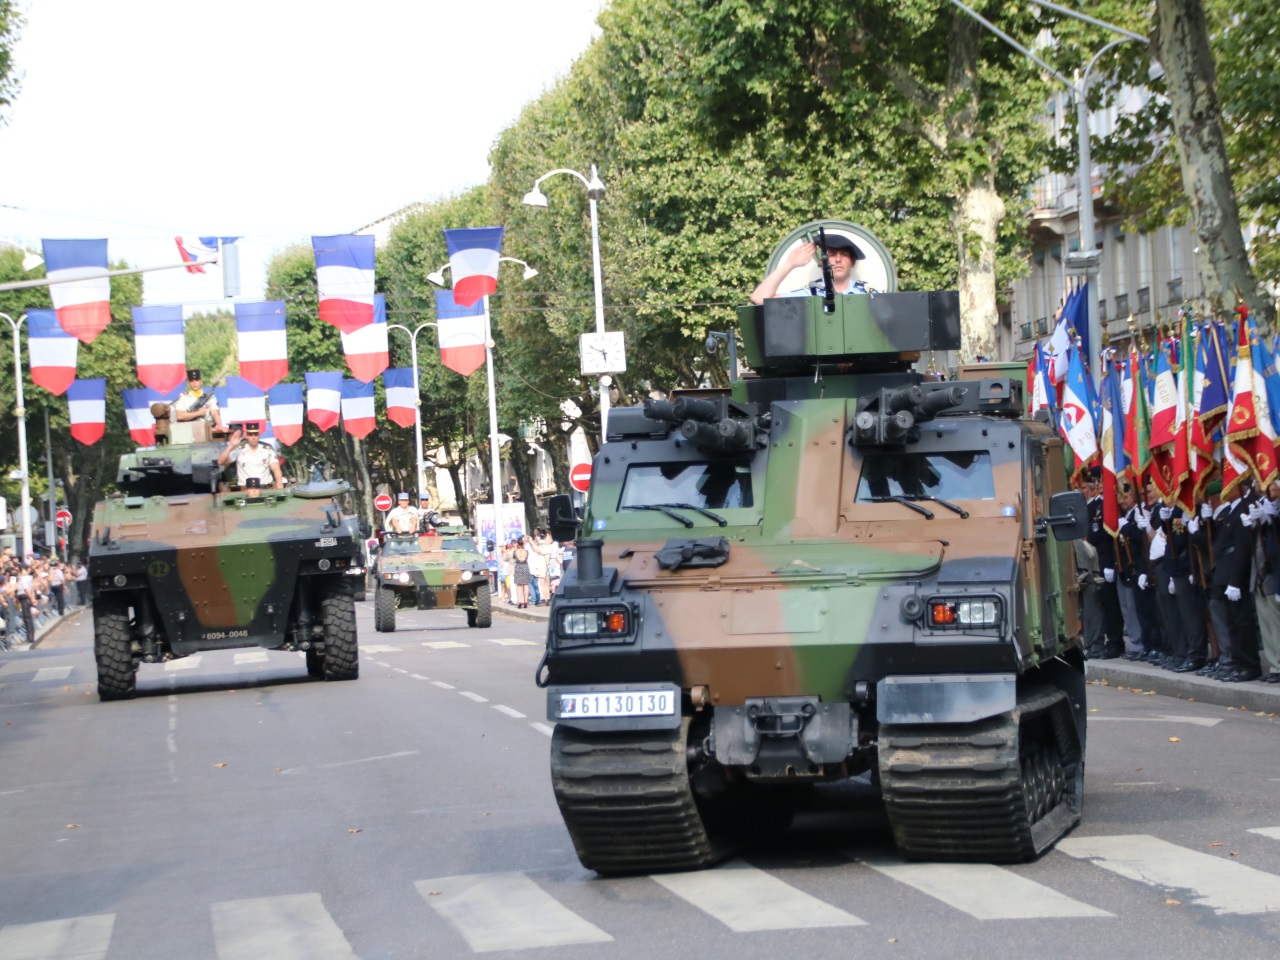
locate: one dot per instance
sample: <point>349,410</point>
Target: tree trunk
<point>976,221</point>
<point>1180,41</point>
<point>558,448</point>
<point>524,479</point>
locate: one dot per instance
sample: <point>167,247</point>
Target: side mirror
<point>1068,515</point>
<point>562,519</point>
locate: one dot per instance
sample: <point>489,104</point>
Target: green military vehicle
<point>437,570</point>
<point>839,567</point>
<point>182,561</point>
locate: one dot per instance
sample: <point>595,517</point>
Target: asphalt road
<point>238,810</point>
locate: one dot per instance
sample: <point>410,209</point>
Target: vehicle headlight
<point>466,574</point>
<point>324,564</point>
<point>403,576</point>
<point>120,580</point>
<point>611,623</point>
<point>957,613</point>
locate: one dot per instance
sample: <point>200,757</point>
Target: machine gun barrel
<point>663,410</point>
<point>935,401</point>
<point>690,408</point>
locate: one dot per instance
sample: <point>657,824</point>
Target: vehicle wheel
<point>341,659</point>
<point>484,607</point>
<point>384,610</point>
<point>113,649</point>
<point>315,664</point>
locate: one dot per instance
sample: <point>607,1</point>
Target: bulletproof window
<point>458,543</point>
<point>714,486</point>
<point>399,548</point>
<point>950,475</point>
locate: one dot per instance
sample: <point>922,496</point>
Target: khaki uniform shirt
<point>187,401</point>
<point>402,520</point>
<point>254,463</point>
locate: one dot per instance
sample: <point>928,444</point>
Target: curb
<point>1253,696</point>
<point>540,615</point>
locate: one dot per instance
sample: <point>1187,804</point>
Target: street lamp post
<point>595,192</point>
<point>20,412</point>
<point>417,397</point>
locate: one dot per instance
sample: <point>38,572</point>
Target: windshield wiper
<point>653,506</point>
<point>689,506</point>
<point>964,514</point>
<point>905,501</point>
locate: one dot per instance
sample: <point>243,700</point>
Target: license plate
<point>623,703</point>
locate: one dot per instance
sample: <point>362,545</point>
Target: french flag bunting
<point>87,400</point>
<point>193,250</point>
<point>366,348</point>
<point>344,277</point>
<point>83,302</point>
<point>402,396</point>
<point>285,401</point>
<point>473,262</point>
<point>264,351</point>
<point>161,347</point>
<point>52,352</point>
<point>137,413</point>
<point>358,417</point>
<point>246,403</point>
<point>461,331</point>
<point>324,398</point>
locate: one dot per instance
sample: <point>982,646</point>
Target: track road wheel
<point>315,664</point>
<point>341,654</point>
<point>384,610</point>
<point>484,608</point>
<point>113,649</point>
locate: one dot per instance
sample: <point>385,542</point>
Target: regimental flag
<point>1215,395</point>
<point>137,413</point>
<point>366,349</point>
<point>1059,351</point>
<point>1263,448</point>
<point>1201,443</point>
<point>1244,438</point>
<point>473,262</point>
<point>1234,470</point>
<point>1183,454</point>
<point>1038,377</point>
<point>324,398</point>
<point>1264,366</point>
<point>462,332</point>
<point>1116,370</point>
<point>52,352</point>
<point>1164,402</point>
<point>1137,429</point>
<point>264,350</point>
<point>193,250</point>
<point>1075,421</point>
<point>344,276</point>
<point>358,415</point>
<point>83,302</point>
<point>285,404</point>
<point>402,395</point>
<point>1110,391</point>
<point>160,344</point>
<point>87,401</point>
<point>1076,314</point>
<point>246,403</point>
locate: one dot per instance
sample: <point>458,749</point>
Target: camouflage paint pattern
<point>435,574</point>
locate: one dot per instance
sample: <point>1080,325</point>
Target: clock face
<point>603,353</point>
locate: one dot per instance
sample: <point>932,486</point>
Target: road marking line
<point>382,663</point>
<point>418,676</point>
<point>76,938</point>
<point>51,673</point>
<point>981,890</point>
<point>444,644</point>
<point>1223,885</point>
<point>543,728</point>
<point>292,927</point>
<point>379,648</point>
<point>506,911</point>
<point>189,663</point>
<point>746,900</point>
<point>473,696</point>
<point>1272,832</point>
<point>258,656</point>
<point>399,670</point>
<point>1164,718</point>
<point>511,642</point>
<point>351,763</point>
<point>443,686</point>
<point>508,711</point>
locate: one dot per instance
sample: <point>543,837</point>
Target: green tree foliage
<point>11,24</point>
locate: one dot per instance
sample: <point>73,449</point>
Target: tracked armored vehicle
<point>840,567</point>
<point>183,561</point>
<point>436,570</point>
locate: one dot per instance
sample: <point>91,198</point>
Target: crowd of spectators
<point>32,595</point>
<point>531,567</point>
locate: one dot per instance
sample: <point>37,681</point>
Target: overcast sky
<point>139,120</point>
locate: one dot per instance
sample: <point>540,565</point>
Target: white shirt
<point>402,520</point>
<point>187,400</point>
<point>254,463</point>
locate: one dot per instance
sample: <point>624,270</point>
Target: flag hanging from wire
<point>344,277</point>
<point>358,415</point>
<point>194,250</point>
<point>285,404</point>
<point>462,333</point>
<point>82,301</point>
<point>473,262</point>
<point>366,349</point>
<point>324,398</point>
<point>402,395</point>
<point>52,352</point>
<point>87,403</point>
<point>160,346</point>
<point>246,403</point>
<point>264,348</point>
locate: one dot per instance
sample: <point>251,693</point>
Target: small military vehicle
<point>426,571</point>
<point>840,567</point>
<point>183,561</point>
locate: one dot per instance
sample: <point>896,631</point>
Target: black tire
<point>315,664</point>
<point>384,610</point>
<point>113,649</point>
<point>471,617</point>
<point>484,608</point>
<point>341,652</point>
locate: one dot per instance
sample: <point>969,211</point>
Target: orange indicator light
<point>616,622</point>
<point>943,613</point>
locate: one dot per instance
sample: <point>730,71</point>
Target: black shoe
<point>1155,656</point>
<point>1173,663</point>
<point>1271,678</point>
<point>1131,657</point>
<point>1242,675</point>
<point>1190,666</point>
<point>1209,668</point>
<point>1112,653</point>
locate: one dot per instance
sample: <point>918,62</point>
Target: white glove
<point>1206,511</point>
<point>1255,509</point>
<point>1109,575</point>
<point>1248,519</point>
<point>1193,525</point>
<point>1142,581</point>
<point>1158,543</point>
<point>1166,513</point>
<point>1276,597</point>
<point>1191,579</point>
<point>1143,522</point>
<point>1233,593</point>
<point>1173,587</point>
<point>1271,508</point>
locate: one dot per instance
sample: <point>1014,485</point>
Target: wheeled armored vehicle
<point>439,569</point>
<point>842,566</point>
<point>183,561</point>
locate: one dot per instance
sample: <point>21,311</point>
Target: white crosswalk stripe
<point>506,911</point>
<point>511,642</point>
<point>51,673</point>
<point>445,644</point>
<point>1272,832</point>
<point>77,938</point>
<point>1223,885</point>
<point>378,648</point>
<point>294,927</point>
<point>982,890</point>
<point>186,663</point>
<point>746,899</point>
<point>255,656</point>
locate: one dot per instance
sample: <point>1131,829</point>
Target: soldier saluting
<point>254,461</point>
<point>196,403</point>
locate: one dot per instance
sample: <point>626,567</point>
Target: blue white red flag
<point>286,407</point>
<point>194,250</point>
<point>264,350</point>
<point>344,277</point>
<point>1039,382</point>
<point>137,413</point>
<point>160,346</point>
<point>324,398</point>
<point>1076,418</point>
<point>1164,402</point>
<point>52,351</point>
<point>473,262</point>
<point>366,349</point>
<point>1076,313</point>
<point>87,403</point>
<point>358,415</point>
<point>246,403</point>
<point>1116,375</point>
<point>1108,419</point>
<point>402,395</point>
<point>462,333</point>
<point>83,302</point>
